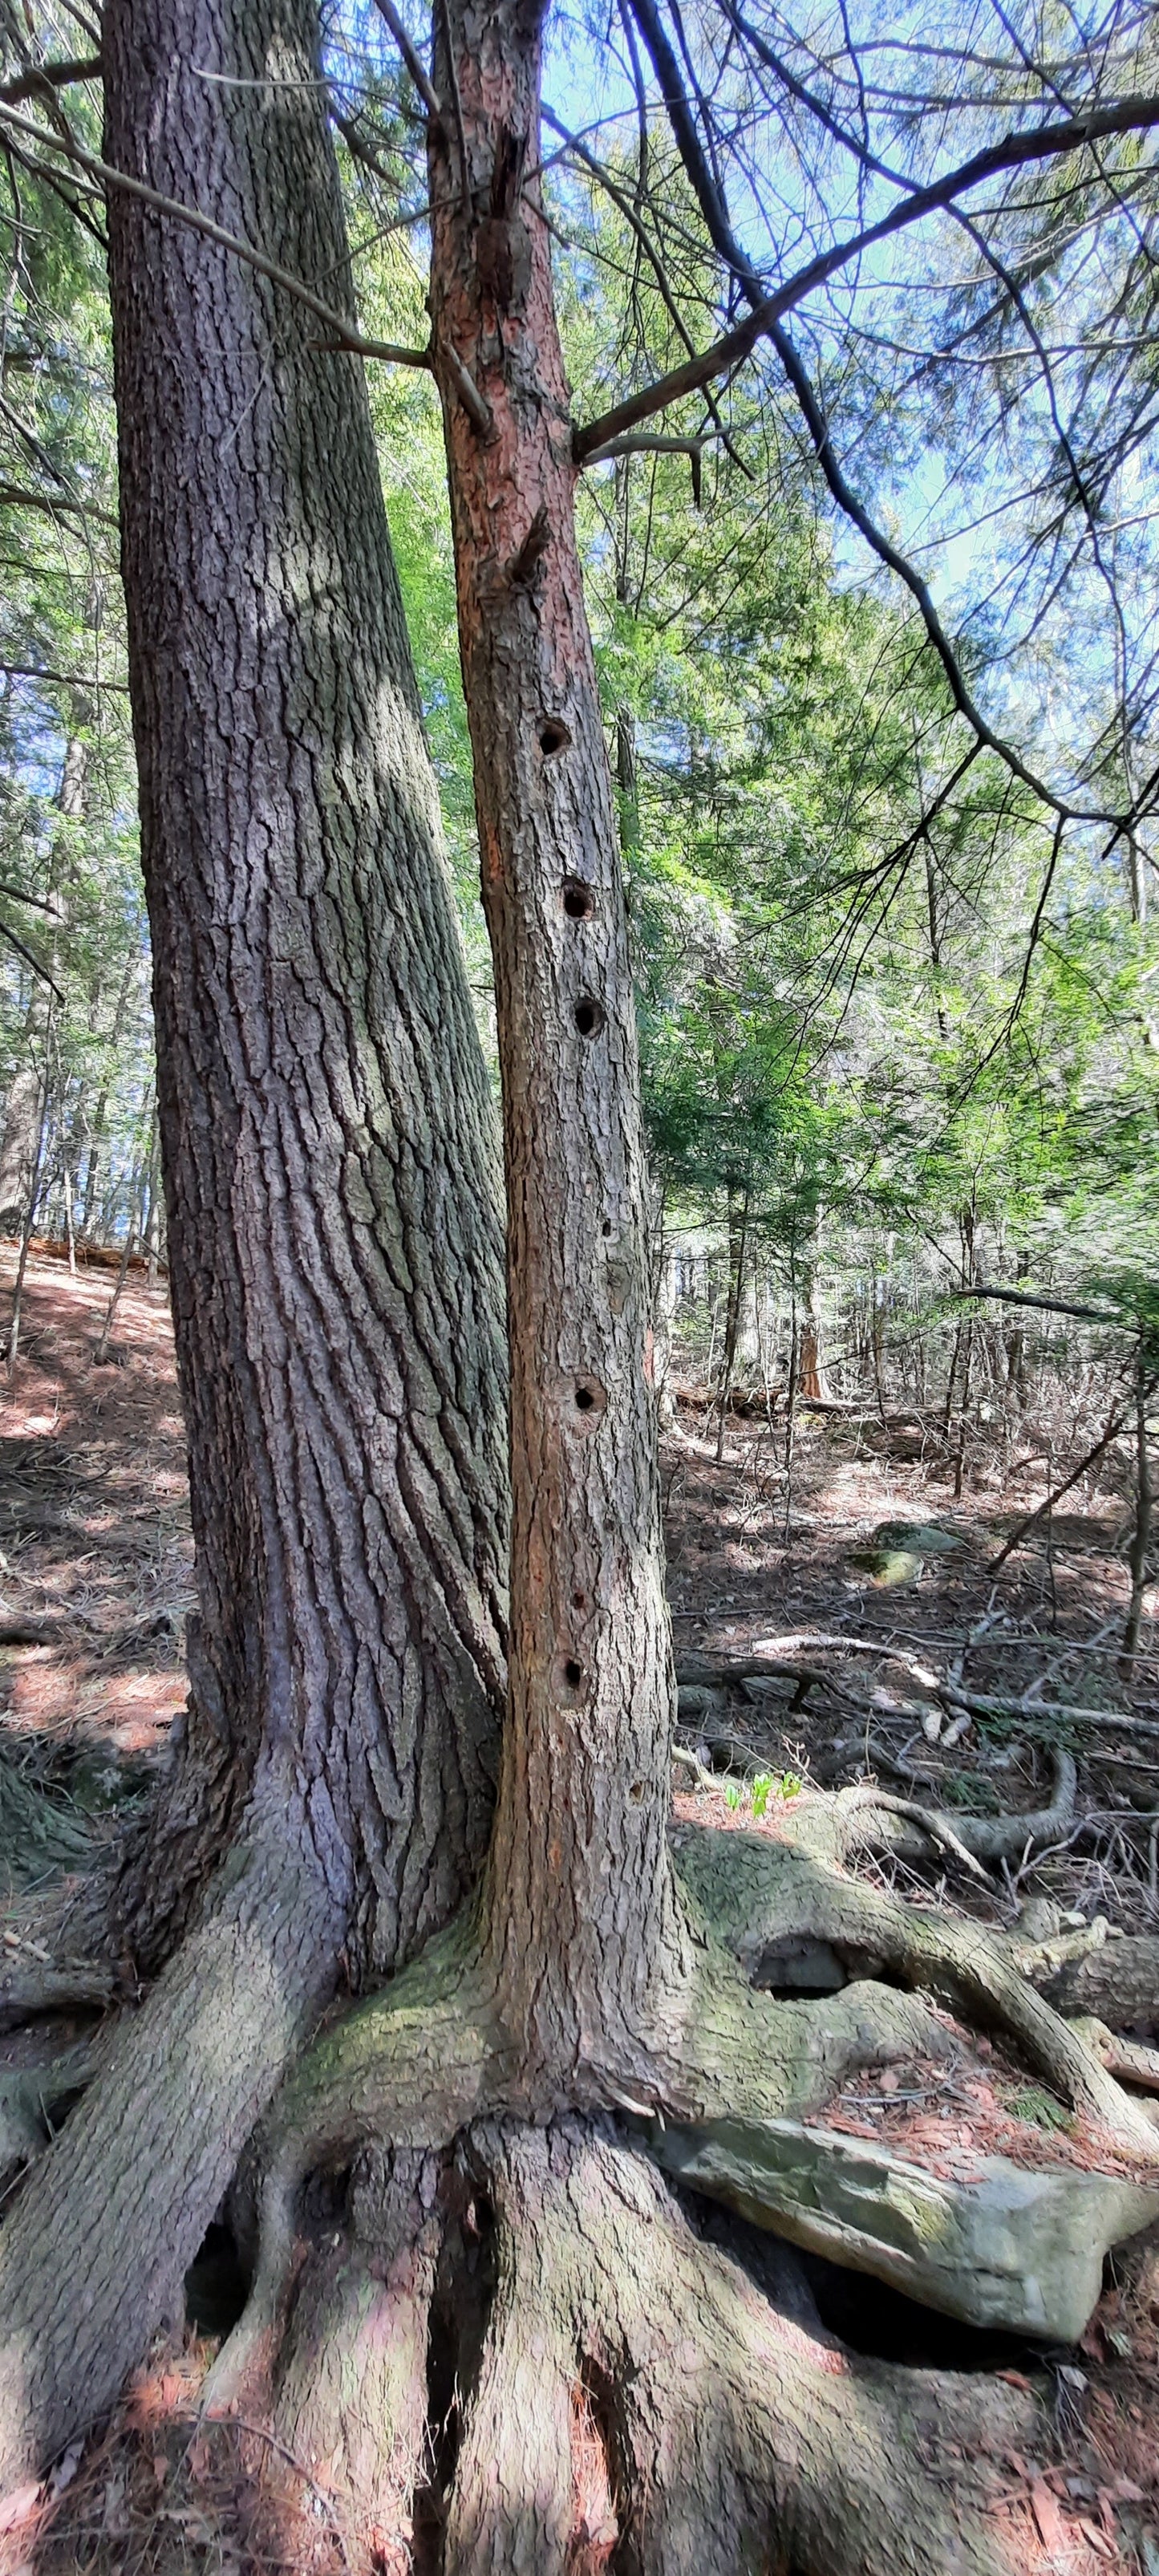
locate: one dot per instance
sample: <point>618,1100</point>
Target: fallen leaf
<point>16,2507</point>
<point>66,2469</point>
<point>1051,2527</point>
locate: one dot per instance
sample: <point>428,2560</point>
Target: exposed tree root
<point>983,1838</point>
<point>1118,1983</point>
<point>128,2190</point>
<point>759,1895</point>
<point>32,2098</point>
<point>606,2387</point>
<point>31,1985</point>
<point>123,2199</point>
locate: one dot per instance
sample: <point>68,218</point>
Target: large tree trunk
<point>333,1223</point>
<point>333,1227</point>
<point>579,1903</point>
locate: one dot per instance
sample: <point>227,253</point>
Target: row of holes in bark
<point>590,1401</point>
<point>579,903</point>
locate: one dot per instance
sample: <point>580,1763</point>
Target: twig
<point>411,57</point>
<point>347,335</point>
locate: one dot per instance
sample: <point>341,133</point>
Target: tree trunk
<point>579,1903</point>
<point>814,1380</point>
<point>333,1221</point>
<point>100,1112</point>
<point>738,1235</point>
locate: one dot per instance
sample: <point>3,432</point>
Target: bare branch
<point>618,197</point>
<point>20,894</point>
<point>1051,1305</point>
<point>13,497</point>
<point>345,333</point>
<point>474,403</point>
<point>645,445</point>
<point>39,969</point>
<point>60,679</point>
<point>1069,135</point>
<point>46,78</point>
<point>1128,116</point>
<point>411,58</point>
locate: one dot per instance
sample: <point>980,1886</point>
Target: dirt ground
<point>1046,1627</point>
<point>95,1582</point>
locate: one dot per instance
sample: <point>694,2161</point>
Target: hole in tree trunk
<point>215,2284</point>
<point>590,1400</point>
<point>802,1965</point>
<point>553,736</point>
<point>579,902</point>
<point>601,2476</point>
<point>589,1017</point>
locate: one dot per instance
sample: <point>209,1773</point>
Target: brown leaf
<point>17,2506</point>
<point>1052,2528</point>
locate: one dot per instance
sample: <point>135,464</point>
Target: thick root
<point>526,2355</point>
<point>637,2393</point>
<point>122,2200</point>
<point>760,1895</point>
<point>30,1986</point>
<point>1118,1983</point>
<point>351,2384</point>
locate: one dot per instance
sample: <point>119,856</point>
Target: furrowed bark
<point>579,1897</point>
<point>333,1221</point>
<point>333,1227</point>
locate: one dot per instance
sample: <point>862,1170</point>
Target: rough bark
<point>332,1214</point>
<point>332,1221</point>
<point>579,1900</point>
<point>613,2389</point>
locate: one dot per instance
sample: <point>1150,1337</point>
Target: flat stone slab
<point>1018,2248</point>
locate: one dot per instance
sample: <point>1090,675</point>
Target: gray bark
<point>333,1231</point>
<point>333,1224</point>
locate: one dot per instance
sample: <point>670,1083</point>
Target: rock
<point>918,1538</point>
<point>1014,2248</point>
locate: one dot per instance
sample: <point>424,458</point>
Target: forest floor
<point>1045,1628</point>
<point>95,1581</point>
